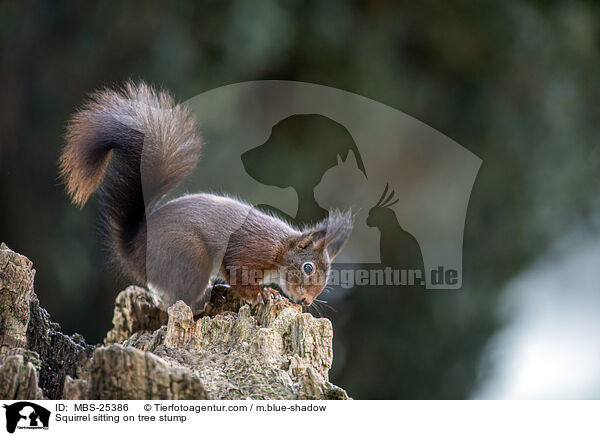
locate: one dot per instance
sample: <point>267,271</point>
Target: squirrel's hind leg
<point>180,270</point>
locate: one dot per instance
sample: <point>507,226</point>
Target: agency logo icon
<point>26,415</point>
<point>301,150</point>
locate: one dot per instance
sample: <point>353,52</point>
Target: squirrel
<point>132,146</point>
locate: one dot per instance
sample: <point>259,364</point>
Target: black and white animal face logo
<point>26,415</point>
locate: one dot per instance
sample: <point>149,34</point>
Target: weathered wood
<point>51,355</point>
<point>264,351</point>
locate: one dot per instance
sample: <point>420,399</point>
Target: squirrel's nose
<point>304,302</point>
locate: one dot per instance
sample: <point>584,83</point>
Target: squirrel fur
<point>134,145</point>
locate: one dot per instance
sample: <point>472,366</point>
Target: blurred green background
<point>515,82</point>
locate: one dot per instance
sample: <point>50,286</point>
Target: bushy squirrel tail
<point>133,145</point>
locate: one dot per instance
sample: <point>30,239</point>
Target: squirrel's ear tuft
<point>331,233</point>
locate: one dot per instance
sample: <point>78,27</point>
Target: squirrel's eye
<point>308,268</point>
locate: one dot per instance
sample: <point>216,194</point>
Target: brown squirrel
<point>134,145</point>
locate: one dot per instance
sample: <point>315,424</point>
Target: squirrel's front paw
<point>251,295</point>
<point>254,299</point>
<point>259,295</point>
<point>269,293</point>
